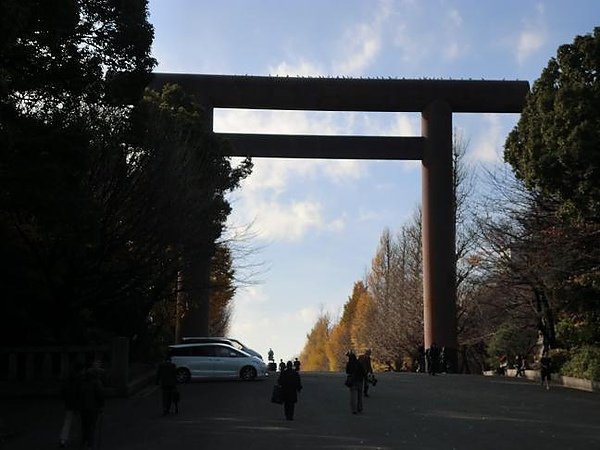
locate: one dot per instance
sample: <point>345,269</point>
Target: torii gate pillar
<point>438,233</point>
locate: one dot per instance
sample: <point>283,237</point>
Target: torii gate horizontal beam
<point>351,94</point>
<point>325,147</point>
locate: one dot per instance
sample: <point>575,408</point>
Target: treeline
<point>109,191</point>
<point>528,249</point>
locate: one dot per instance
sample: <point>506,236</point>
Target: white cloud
<point>252,295</point>
<point>454,18</point>
<point>273,122</point>
<point>488,146</point>
<point>529,41</point>
<point>441,38</point>
<point>362,42</point>
<point>540,8</point>
<point>337,225</point>
<point>369,216</point>
<point>404,126</point>
<point>274,175</point>
<point>307,315</point>
<point>343,170</point>
<point>283,220</point>
<point>532,36</point>
<point>453,22</point>
<point>301,69</point>
<point>410,166</point>
<point>263,199</point>
<point>291,222</point>
<point>412,48</point>
<point>262,329</point>
<point>452,51</point>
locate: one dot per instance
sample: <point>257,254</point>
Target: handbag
<point>277,394</point>
<point>175,396</point>
<point>349,381</point>
<point>371,378</point>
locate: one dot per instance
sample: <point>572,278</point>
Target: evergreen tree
<point>69,75</point>
<point>555,147</point>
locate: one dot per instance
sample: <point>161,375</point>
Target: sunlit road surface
<point>404,411</point>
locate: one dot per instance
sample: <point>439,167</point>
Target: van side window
<point>203,350</point>
<point>224,352</point>
<point>179,351</point>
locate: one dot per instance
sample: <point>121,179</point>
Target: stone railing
<point>53,363</point>
<point>570,382</point>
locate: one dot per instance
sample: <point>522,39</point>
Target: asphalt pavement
<point>404,411</point>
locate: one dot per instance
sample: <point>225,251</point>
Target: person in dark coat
<point>90,401</point>
<point>520,366</point>
<point>546,369</point>
<point>297,365</point>
<point>420,358</point>
<point>166,377</point>
<point>290,383</point>
<point>433,358</point>
<point>365,362</point>
<point>69,394</point>
<point>357,377</point>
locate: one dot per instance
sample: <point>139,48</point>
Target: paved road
<point>405,411</point>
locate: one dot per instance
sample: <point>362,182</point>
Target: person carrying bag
<point>276,395</point>
<point>290,383</point>
<point>355,381</point>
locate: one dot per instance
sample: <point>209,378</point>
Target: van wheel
<point>183,375</point>
<point>248,373</point>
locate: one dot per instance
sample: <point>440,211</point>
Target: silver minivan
<point>225,340</point>
<point>215,360</point>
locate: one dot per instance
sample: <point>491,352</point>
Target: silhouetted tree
<point>106,196</point>
<point>222,291</point>
<point>554,147</point>
<point>68,76</point>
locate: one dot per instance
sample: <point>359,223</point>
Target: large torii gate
<point>436,100</point>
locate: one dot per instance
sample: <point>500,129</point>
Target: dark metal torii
<point>436,100</point>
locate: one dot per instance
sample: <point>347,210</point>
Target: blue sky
<point>316,223</point>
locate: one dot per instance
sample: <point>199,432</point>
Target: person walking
<point>442,361</point>
<point>365,362</point>
<point>546,369</point>
<point>356,377</point>
<point>166,377</point>
<point>90,401</point>
<point>520,366</point>
<point>420,359</point>
<point>69,394</point>
<point>281,365</point>
<point>433,356</point>
<point>502,365</point>
<point>289,380</point>
<point>296,364</point>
